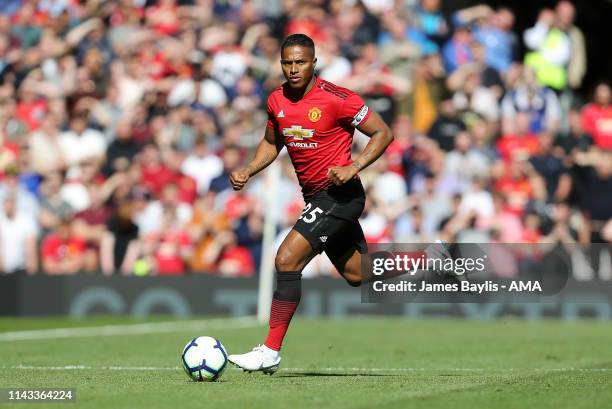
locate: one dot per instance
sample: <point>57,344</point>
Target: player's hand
<point>341,174</point>
<point>239,178</point>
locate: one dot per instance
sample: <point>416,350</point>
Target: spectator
<point>31,107</point>
<point>472,97</point>
<point>374,80</point>
<point>229,63</point>
<point>431,21</point>
<point>62,251</point>
<point>491,78</point>
<point>465,163</point>
<point>517,184</point>
<point>575,140</point>
<point>554,42</point>
<point>504,221</point>
<point>229,258</point>
<point>447,125</point>
<point>202,165</point>
<point>333,66</point>
<point>376,228</point>
<point>18,239</point>
<point>552,169</point>
<point>166,97</point>
<point>539,103</point>
<point>560,230</point>
<point>595,169</point>
<point>150,218</point>
<point>493,31</point>
<point>565,13</point>
<point>482,137</point>
<point>80,143</point>
<point>203,228</point>
<point>521,143</point>
<point>84,184</point>
<point>25,26</point>
<point>46,151</point>
<point>457,51</point>
<point>106,112</point>
<point>435,205</point>
<point>122,150</point>
<point>11,186</point>
<point>397,51</point>
<point>478,201</point>
<point>231,158</point>
<point>428,89</point>
<point>188,190</point>
<point>388,188</point>
<point>155,173</point>
<point>402,131</point>
<point>90,225</point>
<point>597,117</point>
<point>170,245</point>
<point>163,17</point>
<point>53,208</point>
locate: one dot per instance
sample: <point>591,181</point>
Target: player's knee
<point>354,282</point>
<point>353,278</point>
<point>284,262</point>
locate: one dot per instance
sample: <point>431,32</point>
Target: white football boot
<point>261,358</point>
<point>440,249</point>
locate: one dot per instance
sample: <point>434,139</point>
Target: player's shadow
<point>310,374</point>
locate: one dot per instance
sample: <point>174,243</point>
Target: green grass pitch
<point>357,363</point>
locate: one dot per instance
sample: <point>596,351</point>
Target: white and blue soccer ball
<point>204,359</point>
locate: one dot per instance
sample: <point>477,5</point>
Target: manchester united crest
<point>314,114</point>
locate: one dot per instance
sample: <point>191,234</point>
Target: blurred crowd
<point>120,121</point>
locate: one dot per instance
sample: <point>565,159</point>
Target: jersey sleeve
<point>354,111</point>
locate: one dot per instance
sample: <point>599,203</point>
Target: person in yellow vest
<point>565,13</point>
<point>557,65</point>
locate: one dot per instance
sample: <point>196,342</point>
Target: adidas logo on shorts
<point>323,239</point>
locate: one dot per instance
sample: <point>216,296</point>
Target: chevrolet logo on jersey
<point>298,133</point>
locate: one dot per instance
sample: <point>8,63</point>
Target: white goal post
<point>266,268</point>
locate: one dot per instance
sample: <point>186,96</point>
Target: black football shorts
<point>330,220</point>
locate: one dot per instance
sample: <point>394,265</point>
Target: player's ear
<point>314,62</point>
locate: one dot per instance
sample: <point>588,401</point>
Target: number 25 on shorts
<point>310,216</point>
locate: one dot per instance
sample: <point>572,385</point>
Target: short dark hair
<point>298,39</point>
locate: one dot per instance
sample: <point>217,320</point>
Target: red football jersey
<point>317,130</point>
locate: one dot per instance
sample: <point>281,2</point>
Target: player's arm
<point>266,152</point>
<point>380,137</point>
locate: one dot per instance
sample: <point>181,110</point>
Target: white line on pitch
<point>130,329</point>
<point>97,368</point>
<point>329,369</point>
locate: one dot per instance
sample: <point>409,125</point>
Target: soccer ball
<point>204,359</point>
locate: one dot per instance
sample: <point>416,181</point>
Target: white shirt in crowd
<point>390,188</point>
<point>228,66</point>
<point>557,53</point>
<point>483,102</point>
<point>14,234</point>
<point>203,169</point>
<point>466,166</point>
<point>152,217</point>
<point>480,202</point>
<point>76,149</point>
